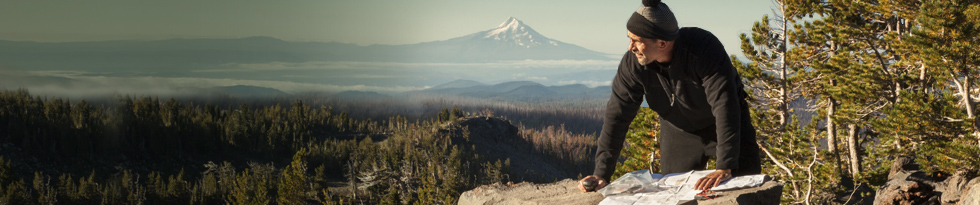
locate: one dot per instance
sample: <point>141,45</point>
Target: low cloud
<point>590,83</point>
<point>535,78</point>
<point>341,65</point>
<point>80,84</point>
<point>525,76</point>
<point>290,77</point>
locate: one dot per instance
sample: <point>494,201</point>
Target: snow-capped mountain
<point>511,40</point>
<point>515,31</point>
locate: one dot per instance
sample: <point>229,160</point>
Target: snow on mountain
<point>516,31</point>
<point>511,40</point>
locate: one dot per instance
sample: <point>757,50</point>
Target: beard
<point>643,59</point>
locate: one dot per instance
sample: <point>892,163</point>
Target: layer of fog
<point>304,77</point>
<point>386,74</point>
<point>72,85</point>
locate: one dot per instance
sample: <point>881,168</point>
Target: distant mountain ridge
<point>360,95</point>
<point>246,91</point>
<point>520,90</point>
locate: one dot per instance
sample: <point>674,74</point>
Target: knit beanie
<point>653,20</point>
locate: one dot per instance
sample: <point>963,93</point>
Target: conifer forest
<point>150,151</point>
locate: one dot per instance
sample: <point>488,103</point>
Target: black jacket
<point>699,89</point>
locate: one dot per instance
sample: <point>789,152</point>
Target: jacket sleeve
<point>720,82</point>
<point>625,100</point>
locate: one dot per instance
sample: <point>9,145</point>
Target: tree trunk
<point>922,76</point>
<point>831,128</point>
<point>969,107</point>
<point>898,92</point>
<point>783,87</point>
<point>964,90</point>
<point>852,147</point>
<point>967,97</point>
<point>832,135</point>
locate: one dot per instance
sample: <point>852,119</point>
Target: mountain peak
<point>511,23</point>
<point>515,31</point>
<point>510,40</point>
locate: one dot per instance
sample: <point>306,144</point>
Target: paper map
<point>642,187</point>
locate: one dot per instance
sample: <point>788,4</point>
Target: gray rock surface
<point>954,187</point>
<point>769,193</point>
<point>902,164</point>
<point>971,195</point>
<point>566,192</point>
<point>562,192</point>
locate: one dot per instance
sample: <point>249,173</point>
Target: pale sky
<point>596,25</point>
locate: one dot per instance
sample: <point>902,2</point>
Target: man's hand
<point>713,179</point>
<point>600,183</point>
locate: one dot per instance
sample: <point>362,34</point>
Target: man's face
<point>645,49</point>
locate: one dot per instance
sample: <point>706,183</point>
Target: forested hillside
<point>147,150</point>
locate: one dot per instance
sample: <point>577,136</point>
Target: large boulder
<point>903,189</point>
<point>955,187</point>
<point>566,192</point>
<point>902,163</point>
<point>562,192</point>
<point>971,195</point>
<point>908,185</point>
<point>769,193</point>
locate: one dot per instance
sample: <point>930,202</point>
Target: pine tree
<point>12,189</point>
<point>457,113</point>
<point>854,58</point>
<point>293,183</point>
<point>177,187</point>
<point>949,34</point>
<point>249,188</point>
<point>46,193</point>
<point>443,115</point>
<point>643,145</point>
<point>778,77</point>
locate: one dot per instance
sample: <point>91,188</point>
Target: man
<point>690,82</point>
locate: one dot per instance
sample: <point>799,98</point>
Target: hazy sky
<point>596,25</point>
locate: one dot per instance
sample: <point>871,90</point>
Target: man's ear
<point>662,44</point>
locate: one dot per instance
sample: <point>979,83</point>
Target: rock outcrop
<point>909,185</point>
<point>971,195</point>
<point>956,186</point>
<point>562,192</point>
<point>566,192</point>
<point>769,193</point>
